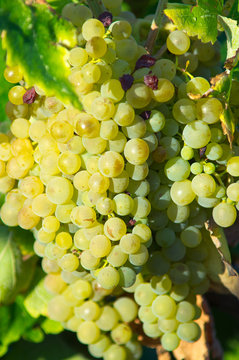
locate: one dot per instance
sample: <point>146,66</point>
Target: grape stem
<point>153,33</point>
<point>96,6</point>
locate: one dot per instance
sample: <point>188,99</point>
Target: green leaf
<point>35,335</point>
<point>232,33</point>
<point>228,123</point>
<point>199,20</point>
<point>58,5</point>
<point>10,266</point>
<point>36,41</point>
<point>4,86</point>
<point>36,302</point>
<point>24,239</point>
<point>51,326</point>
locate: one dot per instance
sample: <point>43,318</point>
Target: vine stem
<point>153,33</point>
<point>96,6</point>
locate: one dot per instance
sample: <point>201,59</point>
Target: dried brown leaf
<point>219,239</point>
<point>136,326</point>
<point>162,354</point>
<point>208,343</point>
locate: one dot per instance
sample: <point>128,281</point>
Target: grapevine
<point>125,172</point>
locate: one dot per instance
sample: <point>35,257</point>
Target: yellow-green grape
<point>61,131</point>
<point>136,151</point>
<point>110,56</point>
<point>233,192</point>
<point>164,68</point>
<point>143,232</point>
<point>144,294</point>
<point>68,293</point>
<point>142,207</point>
<point>20,128</point>
<point>140,257</point>
<point>54,283</point>
<point>100,246</point>
<point>197,86</point>
<point>5,151</point>
<point>156,121</point>
<point>69,262</point>
<point>191,236</point>
<point>94,145</point>
<point>12,74</point>
<point>86,125</point>
<point>184,111</point>
<point>224,214</point>
<point>161,284</point>
<point>63,212</point>
<point>115,228</point>
<point>108,319</point>
<point>96,47</point>
<point>99,183</point>
<point>83,216</point>
<point>31,186</point>
<point>105,71</point>
<point>48,163</point>
<point>138,96</point>
<point>178,42</point>
<point>91,163</point>
<point>27,219</point>
<point>81,180</point>
<point>119,183</point>
<point>189,332</point>
<point>45,237</point>
<point>9,214</point>
<point>82,289</point>
<point>102,108</point>
<point>233,166</point>
<point>120,29</point>
<point>164,307</point>
<point>123,204</point>
<point>73,323</point>
<point>91,73</point>
<point>16,111</point>
<point>75,145</point>
<point>121,334</point>
<point>130,243</point>
<point>124,114</point>
<point>81,241</point>
<point>69,163</point>
<point>170,341</point>
<point>111,164</point>
<point>209,110</point>
<point>58,309</point>
<point>118,143</point>
<point>42,206</point>
<point>203,185</point>
<point>117,257</point>
<point>126,49</point>
<point>115,352</point>
<point>112,90</point>
<point>136,129</point>
<point>108,277</point>
<point>59,190</point>
<point>164,92</point>
<point>54,252</point>
<point>89,311</point>
<point>146,315</point>
<point>15,198</point>
<point>196,134</point>
<point>91,28</point>
<point>78,56</point>
<point>89,261</point>
<point>39,248</point>
<point>105,206</point>
<point>15,95</point>
<point>108,129</point>
<point>126,308</point>
<point>19,166</point>
<point>53,105</point>
<point>63,240</point>
<point>47,143</point>
<point>76,13</point>
<point>49,266</point>
<point>50,224</point>
<point>182,193</point>
<point>100,346</point>
<point>81,86</point>
<point>19,146</point>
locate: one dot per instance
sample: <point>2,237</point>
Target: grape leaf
<point>36,41</point>
<point>228,123</point>
<point>10,265</point>
<point>219,240</point>
<point>4,86</point>
<point>232,33</point>
<point>200,20</point>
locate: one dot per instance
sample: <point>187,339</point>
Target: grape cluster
<point>117,194</point>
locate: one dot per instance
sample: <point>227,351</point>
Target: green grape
<point>88,260</point>
<point>111,164</point>
<point>184,111</point>
<point>105,70</point>
<point>83,216</point>
<point>108,319</point>
<point>191,236</point>
<point>123,204</point>
<point>196,168</point>
<point>170,341</point>
<point>157,264</point>
<point>165,237</point>
<point>178,214</point>
<point>178,42</point>
<point>161,198</point>
<point>197,272</point>
<point>189,332</point>
<point>151,330</point>
<point>96,47</point>
<point>188,60</point>
<point>140,257</point>
<point>197,86</point>
<point>117,257</point>
<point>121,334</point>
<point>168,325</point>
<point>177,169</point>
<point>59,190</point>
<point>15,95</point>
<point>108,277</point>
<point>185,312</point>
<point>105,206</point>
<point>120,29</point>
<point>182,193</point>
<point>207,202</point>
<point>118,143</point>
<point>58,309</point>
<point>126,308</point>
<point>164,68</point>
<point>63,212</point>
<point>12,74</point>
<point>179,292</point>
<point>115,228</point>
<point>170,128</point>
<point>163,307</point>
<point>152,141</point>
<point>115,352</point>
<point>187,153</point>
<point>136,129</point>
<point>119,183</point>
<point>196,134</point>
<point>88,332</point>
<point>209,110</point>
<point>171,146</point>
<point>88,311</point>
<point>91,28</point>
<point>100,346</point>
<point>179,273</point>
<point>112,90</point>
<point>203,185</point>
<point>209,168</point>
<point>124,114</point>
<point>175,252</point>
<point>217,135</point>
<point>201,288</point>
<point>158,220</point>
<point>141,207</point>
<point>102,108</point>
<point>78,56</point>
<point>138,95</point>
<point>126,49</point>
<point>146,315</point>
<point>144,294</point>
<point>224,214</point>
<point>154,180</point>
<point>119,68</point>
<point>81,289</point>
<point>233,192</point>
<point>90,73</point>
<point>156,121</point>
<point>214,151</point>
<point>100,246</point>
<point>130,243</point>
<point>164,92</point>
<point>233,166</point>
<point>161,284</point>
<point>108,130</point>
<point>138,188</point>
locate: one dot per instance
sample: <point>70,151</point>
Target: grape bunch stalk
<point>117,194</point>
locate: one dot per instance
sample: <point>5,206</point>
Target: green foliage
<point>36,41</point>
<point>232,33</point>
<point>200,20</point>
<point>4,86</point>
<point>58,5</point>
